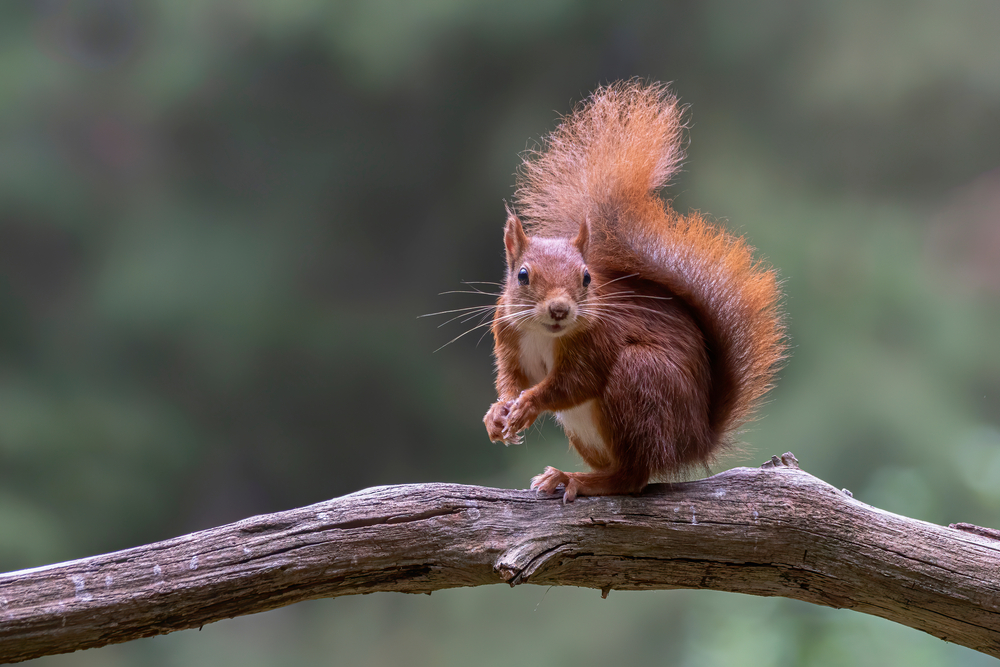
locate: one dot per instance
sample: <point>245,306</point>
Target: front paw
<point>521,415</point>
<point>496,420</point>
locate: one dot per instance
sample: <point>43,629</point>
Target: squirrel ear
<point>514,239</point>
<point>582,240</point>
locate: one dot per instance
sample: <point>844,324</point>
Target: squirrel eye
<point>522,276</point>
<point>586,277</point>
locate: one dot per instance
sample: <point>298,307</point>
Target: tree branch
<point>776,531</point>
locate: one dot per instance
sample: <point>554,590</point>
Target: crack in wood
<point>991,533</point>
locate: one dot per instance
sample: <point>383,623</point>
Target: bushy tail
<point>615,150</point>
<point>604,165</point>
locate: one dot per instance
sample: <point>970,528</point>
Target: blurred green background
<point>219,221</point>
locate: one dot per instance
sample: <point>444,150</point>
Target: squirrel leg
<point>653,421</point>
<point>601,483</point>
<point>656,407</point>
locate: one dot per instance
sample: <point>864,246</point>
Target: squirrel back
<point>604,166</point>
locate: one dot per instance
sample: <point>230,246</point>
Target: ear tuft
<point>582,240</point>
<point>514,239</point>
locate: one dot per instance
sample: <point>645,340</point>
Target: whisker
<point>477,292</point>
<point>614,309</point>
<point>471,316</point>
<point>475,310</point>
<point>626,295</point>
<point>456,310</point>
<point>480,282</point>
<point>468,309</point>
<point>480,340</point>
<point>464,333</point>
<point>485,331</point>
<point>621,305</point>
<point>510,316</point>
<point>465,317</point>
<point>614,280</point>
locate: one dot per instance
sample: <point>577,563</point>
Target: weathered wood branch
<point>777,531</point>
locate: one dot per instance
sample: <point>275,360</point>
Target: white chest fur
<point>537,356</point>
<point>537,360</point>
<point>581,423</point>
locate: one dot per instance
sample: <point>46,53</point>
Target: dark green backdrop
<point>219,221</point>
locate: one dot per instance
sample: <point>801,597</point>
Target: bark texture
<point>771,531</point>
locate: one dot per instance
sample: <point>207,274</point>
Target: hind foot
<point>550,480</point>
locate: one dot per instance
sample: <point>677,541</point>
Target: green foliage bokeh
<point>220,220</point>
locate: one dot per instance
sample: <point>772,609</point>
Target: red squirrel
<point>651,335</point>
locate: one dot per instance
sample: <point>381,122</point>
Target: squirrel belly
<point>582,423</point>
<point>651,336</point>
<point>583,426</point>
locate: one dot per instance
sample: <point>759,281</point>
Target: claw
<point>516,439</point>
<point>496,422</point>
<point>552,479</point>
<point>512,438</point>
<point>549,480</point>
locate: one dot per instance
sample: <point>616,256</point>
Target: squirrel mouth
<point>554,328</point>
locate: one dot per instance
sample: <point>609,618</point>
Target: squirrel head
<point>547,280</point>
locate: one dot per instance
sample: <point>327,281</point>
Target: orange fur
<point>675,337</point>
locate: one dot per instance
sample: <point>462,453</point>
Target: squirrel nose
<point>558,310</point>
